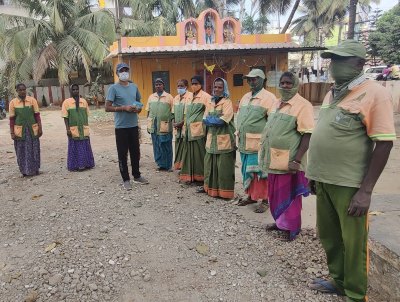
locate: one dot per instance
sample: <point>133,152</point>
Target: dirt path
<point>79,237</point>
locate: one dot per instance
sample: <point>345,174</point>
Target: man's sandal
<point>325,286</point>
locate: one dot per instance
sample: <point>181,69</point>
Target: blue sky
<point>386,4</point>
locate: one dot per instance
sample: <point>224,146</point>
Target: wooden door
<point>210,78</point>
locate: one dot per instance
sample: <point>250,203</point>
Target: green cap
<point>255,73</point>
<point>348,48</point>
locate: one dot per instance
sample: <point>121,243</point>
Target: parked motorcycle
<point>2,109</point>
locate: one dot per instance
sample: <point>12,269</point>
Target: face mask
<point>181,91</point>
<point>287,94</point>
<point>123,76</point>
<point>343,72</point>
<point>257,85</point>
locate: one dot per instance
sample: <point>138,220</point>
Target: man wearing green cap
<point>348,150</point>
<point>252,116</point>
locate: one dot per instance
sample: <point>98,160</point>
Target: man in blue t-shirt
<point>123,99</point>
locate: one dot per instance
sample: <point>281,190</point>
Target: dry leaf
<point>32,296</point>
<point>202,249</point>
<point>376,213</point>
<point>50,247</point>
<point>34,197</point>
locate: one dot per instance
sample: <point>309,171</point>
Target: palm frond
<point>25,70</point>
<point>91,43</point>
<point>131,27</point>
<point>10,21</point>
<point>39,9</point>
<point>64,70</point>
<point>187,8</point>
<point>56,18</point>
<point>46,56</point>
<point>101,22</point>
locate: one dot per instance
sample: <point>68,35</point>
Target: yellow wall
<point>186,67</point>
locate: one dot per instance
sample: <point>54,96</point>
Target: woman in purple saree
<point>284,144</point>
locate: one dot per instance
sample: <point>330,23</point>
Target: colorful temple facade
<point>209,46</point>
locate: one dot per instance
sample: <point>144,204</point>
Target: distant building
<point>208,46</point>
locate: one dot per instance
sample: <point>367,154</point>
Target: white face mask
<point>181,91</point>
<point>123,76</point>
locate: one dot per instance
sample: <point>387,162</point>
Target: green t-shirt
<point>343,140</point>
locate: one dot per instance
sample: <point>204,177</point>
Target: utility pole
<point>118,29</point>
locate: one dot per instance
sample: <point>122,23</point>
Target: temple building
<point>208,46</point>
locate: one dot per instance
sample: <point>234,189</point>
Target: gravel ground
<point>80,237</point>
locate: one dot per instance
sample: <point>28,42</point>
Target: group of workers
<point>347,149</point>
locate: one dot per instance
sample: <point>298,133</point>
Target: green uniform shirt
<point>195,108</point>
<point>160,109</point>
<point>343,140</point>
<point>179,110</point>
<point>251,119</point>
<point>24,113</point>
<point>220,139</point>
<point>77,118</point>
<point>283,132</point>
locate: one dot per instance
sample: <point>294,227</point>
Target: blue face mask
<point>181,91</point>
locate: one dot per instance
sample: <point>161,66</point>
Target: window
<point>238,79</point>
<point>164,75</point>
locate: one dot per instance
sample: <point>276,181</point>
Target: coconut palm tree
<point>58,34</point>
<point>350,4</point>
<point>318,19</point>
<point>352,18</point>
<point>151,17</point>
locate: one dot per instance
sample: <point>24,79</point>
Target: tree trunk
<point>352,18</point>
<point>340,32</point>
<point>289,20</point>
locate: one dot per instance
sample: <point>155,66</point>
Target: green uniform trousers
<point>344,238</point>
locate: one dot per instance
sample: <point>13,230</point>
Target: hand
<point>129,108</point>
<point>178,125</point>
<point>40,132</point>
<point>294,166</point>
<point>359,204</point>
<point>13,137</point>
<point>137,110</point>
<point>69,134</point>
<point>313,187</point>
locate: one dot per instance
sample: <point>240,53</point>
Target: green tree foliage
<point>159,17</point>
<point>252,26</point>
<point>150,17</point>
<point>4,89</point>
<point>318,19</point>
<point>58,34</point>
<point>385,41</point>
